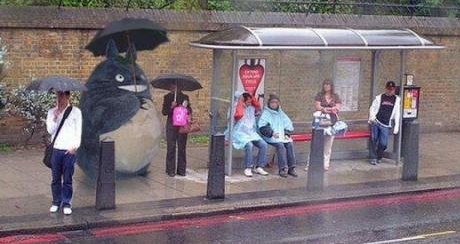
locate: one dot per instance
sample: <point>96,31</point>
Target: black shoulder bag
<point>49,147</point>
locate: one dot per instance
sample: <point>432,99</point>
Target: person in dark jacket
<point>175,98</point>
<point>384,114</point>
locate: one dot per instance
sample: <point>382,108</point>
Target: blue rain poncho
<point>279,123</point>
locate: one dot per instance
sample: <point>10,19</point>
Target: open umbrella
<point>56,83</point>
<point>142,33</point>
<point>184,82</point>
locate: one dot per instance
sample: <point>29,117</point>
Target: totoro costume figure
<point>118,106</point>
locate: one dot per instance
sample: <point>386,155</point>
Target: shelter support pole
<point>228,169</point>
<point>214,91</point>
<point>216,166</point>
<point>374,83</point>
<point>105,187</point>
<point>375,75</point>
<point>315,180</point>
<point>410,144</point>
<point>280,69</point>
<point>397,138</point>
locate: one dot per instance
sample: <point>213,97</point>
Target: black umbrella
<point>56,83</point>
<point>143,33</point>
<point>184,82</point>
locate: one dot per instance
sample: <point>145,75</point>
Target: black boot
<point>292,172</point>
<point>283,173</point>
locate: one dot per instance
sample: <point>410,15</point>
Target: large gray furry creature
<point>118,106</point>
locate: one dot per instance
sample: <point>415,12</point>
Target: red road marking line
<point>32,239</point>
<point>272,213</point>
<point>243,216</point>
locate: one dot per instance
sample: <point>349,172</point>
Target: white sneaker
<point>54,209</point>
<point>67,211</point>
<point>248,172</point>
<point>261,171</point>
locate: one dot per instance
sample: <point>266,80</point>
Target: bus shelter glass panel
<point>296,78</point>
<point>221,87</point>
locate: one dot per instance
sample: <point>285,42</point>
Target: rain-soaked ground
<point>430,217</point>
<point>24,182</point>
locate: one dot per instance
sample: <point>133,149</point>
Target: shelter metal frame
<point>271,39</point>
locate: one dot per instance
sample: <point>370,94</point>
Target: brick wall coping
<point>86,18</point>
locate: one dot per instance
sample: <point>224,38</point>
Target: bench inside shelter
<point>342,149</point>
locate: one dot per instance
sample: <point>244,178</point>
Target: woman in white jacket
<point>385,109</point>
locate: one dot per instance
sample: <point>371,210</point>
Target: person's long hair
<point>327,82</point>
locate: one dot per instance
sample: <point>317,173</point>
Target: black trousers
<point>175,139</point>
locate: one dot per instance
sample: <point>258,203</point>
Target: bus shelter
<point>282,51</point>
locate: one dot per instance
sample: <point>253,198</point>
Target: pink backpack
<point>180,116</point>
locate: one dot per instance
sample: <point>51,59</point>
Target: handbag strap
<point>66,114</point>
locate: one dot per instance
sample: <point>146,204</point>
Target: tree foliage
<point>385,7</point>
<point>155,4</point>
<point>3,66</point>
<point>382,7</point>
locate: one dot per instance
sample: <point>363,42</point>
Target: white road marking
<point>412,238</point>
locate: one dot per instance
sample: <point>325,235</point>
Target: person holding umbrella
<point>175,84</point>
<point>64,124</point>
<point>64,149</point>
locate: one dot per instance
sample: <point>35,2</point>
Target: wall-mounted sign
<point>411,97</point>
<point>409,80</point>
<point>346,80</point>
<point>251,77</point>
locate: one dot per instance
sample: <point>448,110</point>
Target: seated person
<point>244,134</point>
<point>276,127</point>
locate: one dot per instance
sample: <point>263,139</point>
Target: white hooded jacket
<point>395,115</point>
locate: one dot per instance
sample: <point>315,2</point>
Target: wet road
<point>432,217</point>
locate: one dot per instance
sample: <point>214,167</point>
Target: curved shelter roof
<point>242,37</point>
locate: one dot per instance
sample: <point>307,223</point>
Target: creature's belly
<point>138,141</point>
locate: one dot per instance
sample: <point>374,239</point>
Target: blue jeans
<point>62,168</point>
<point>379,141</point>
<point>261,156</point>
<point>286,155</point>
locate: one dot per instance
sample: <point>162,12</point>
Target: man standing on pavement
<point>384,114</point>
<point>64,150</point>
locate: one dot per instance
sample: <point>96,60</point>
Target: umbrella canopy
<point>184,82</point>
<point>143,33</point>
<point>56,83</point>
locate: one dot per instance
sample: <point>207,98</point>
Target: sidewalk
<point>25,191</point>
<point>87,217</point>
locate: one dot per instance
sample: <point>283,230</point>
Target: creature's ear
<point>131,54</point>
<point>111,50</point>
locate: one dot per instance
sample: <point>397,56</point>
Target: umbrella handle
<point>132,62</point>
<point>175,94</point>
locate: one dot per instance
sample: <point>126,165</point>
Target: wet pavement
<point>24,182</point>
<point>430,217</point>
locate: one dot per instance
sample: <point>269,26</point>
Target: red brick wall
<point>49,46</point>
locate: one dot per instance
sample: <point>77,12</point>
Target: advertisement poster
<point>251,77</point>
<point>410,102</point>
<point>346,79</point>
